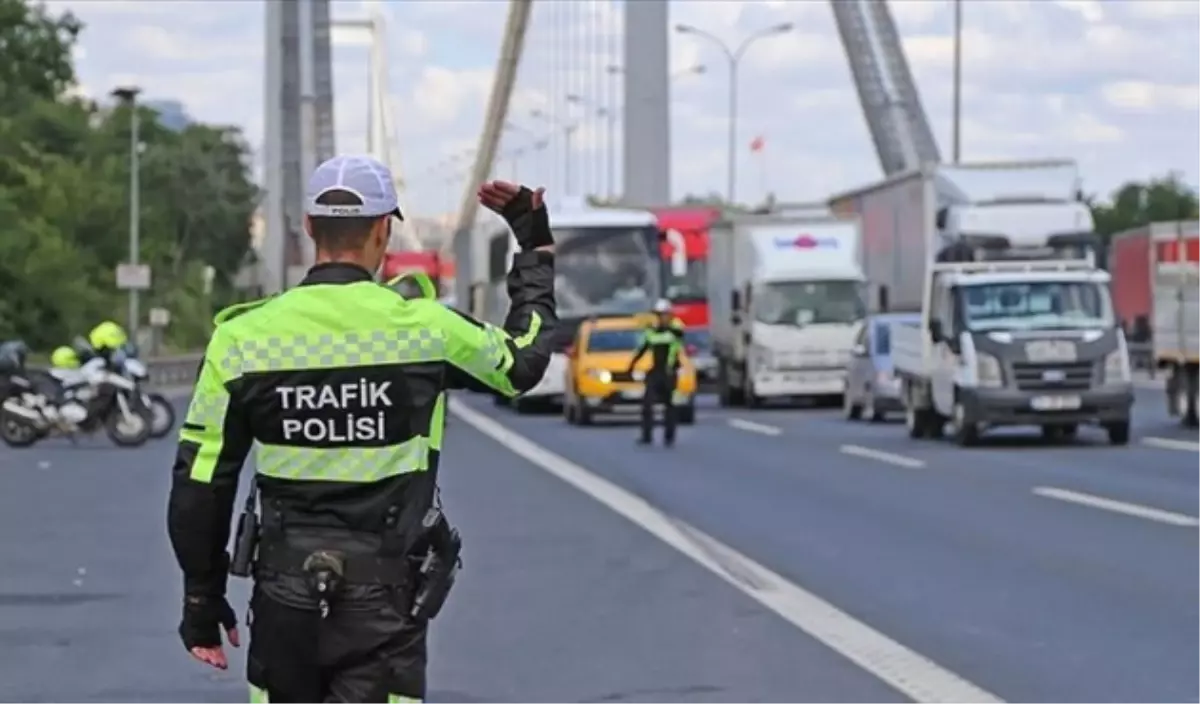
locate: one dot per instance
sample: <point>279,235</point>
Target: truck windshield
<point>809,303</point>
<point>1035,305</point>
<point>689,288</point>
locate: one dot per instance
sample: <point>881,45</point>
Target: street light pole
<point>734,58</point>
<point>956,119</point>
<point>129,96</point>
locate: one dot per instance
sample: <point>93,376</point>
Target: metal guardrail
<point>177,370</point>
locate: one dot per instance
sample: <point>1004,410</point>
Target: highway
<point>773,555</point>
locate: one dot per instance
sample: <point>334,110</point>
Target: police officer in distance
<point>342,382</point>
<point>663,340</point>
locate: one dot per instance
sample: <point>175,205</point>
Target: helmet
<point>107,335</point>
<point>64,358</point>
<point>12,356</point>
<point>662,305</point>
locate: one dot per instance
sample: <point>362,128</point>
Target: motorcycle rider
<point>64,357</point>
<point>663,339</point>
<point>343,384</point>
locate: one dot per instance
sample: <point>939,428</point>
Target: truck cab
<point>786,296</point>
<point>1017,328</point>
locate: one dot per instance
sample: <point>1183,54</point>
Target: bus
<point>607,261</point>
<point>684,255</point>
<point>438,268</point>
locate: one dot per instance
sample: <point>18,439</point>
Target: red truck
<point>684,249</point>
<point>429,262</point>
<point>1155,280</point>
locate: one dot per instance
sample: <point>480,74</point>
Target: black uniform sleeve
<point>213,444</point>
<point>512,359</point>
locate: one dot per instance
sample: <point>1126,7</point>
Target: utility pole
<point>956,120</point>
<point>128,96</point>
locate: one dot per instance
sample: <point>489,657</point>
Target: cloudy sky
<point>1112,84</point>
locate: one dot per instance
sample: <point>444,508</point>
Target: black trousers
<point>659,390</point>
<point>365,650</point>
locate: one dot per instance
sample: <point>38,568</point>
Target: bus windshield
<point>605,269</point>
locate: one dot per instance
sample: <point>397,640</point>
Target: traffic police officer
<point>663,339</point>
<point>342,383</point>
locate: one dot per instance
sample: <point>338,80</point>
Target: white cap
<point>662,305</point>
<point>361,176</point>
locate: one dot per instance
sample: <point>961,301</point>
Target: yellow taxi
<point>598,380</point>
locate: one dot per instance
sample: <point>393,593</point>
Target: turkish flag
<point>757,144</point>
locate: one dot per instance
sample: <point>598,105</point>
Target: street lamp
<point>128,95</point>
<point>734,57</point>
<point>568,135</point>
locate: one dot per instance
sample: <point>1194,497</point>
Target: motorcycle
<point>162,411</point>
<point>68,402</point>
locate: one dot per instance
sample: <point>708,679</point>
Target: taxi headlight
<point>601,375</point>
<point>1116,368</point>
<point>987,370</point>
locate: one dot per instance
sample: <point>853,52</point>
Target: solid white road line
<point>880,455</point>
<point>1169,444</point>
<point>752,427</point>
<point>907,671</point>
<point>1150,514</point>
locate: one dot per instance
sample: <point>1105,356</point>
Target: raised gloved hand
<point>203,616</point>
<point>523,210</point>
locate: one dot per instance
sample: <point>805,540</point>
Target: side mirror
<point>858,351</point>
<point>935,331</point>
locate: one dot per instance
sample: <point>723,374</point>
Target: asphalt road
<point>774,555</point>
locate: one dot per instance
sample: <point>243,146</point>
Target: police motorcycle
<point>162,411</point>
<point>68,402</point>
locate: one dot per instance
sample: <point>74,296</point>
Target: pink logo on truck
<point>805,241</point>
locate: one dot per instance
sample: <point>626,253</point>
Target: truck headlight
<point>987,371</point>
<point>1116,368</point>
<point>601,375</point>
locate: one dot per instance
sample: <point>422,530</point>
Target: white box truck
<point>1017,324</point>
<point>785,297</point>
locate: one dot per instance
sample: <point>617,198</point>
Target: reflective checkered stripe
<point>343,464</point>
<point>350,349</point>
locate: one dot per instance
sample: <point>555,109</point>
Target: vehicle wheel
<point>727,396</point>
<point>1118,433</point>
<point>869,411</point>
<point>17,432</point>
<point>163,414</point>
<point>686,414</point>
<point>129,432</point>
<point>850,410</point>
<point>966,432</point>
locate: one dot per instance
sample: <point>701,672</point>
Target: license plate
<point>1055,403</point>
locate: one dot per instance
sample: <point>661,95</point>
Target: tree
<point>64,198</point>
<point>1137,203</point>
<point>37,52</point>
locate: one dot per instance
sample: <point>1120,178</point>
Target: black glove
<point>202,618</point>
<point>530,227</point>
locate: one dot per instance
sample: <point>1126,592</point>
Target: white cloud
<point>1112,84</point>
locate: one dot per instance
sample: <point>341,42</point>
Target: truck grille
<point>1053,375</point>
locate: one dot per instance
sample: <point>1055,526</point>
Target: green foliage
<point>1137,203</point>
<point>64,198</point>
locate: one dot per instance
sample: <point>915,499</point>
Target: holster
<point>439,565</point>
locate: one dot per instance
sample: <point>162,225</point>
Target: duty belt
<point>357,568</point>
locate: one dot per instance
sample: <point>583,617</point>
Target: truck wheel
<point>727,396</point>
<point>966,431</point>
<point>914,420</point>
<point>1118,433</point>
<point>850,410</point>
